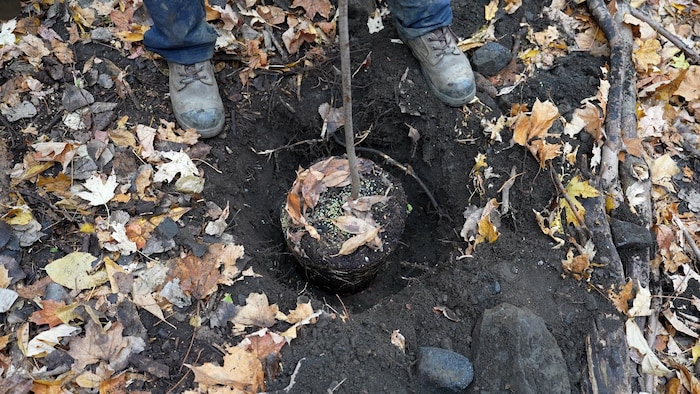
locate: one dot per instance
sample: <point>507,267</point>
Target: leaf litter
<point>669,92</point>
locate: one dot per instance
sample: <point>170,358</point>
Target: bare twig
<point>269,152</point>
<point>692,55</point>
<point>688,237</point>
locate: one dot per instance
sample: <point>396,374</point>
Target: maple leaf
<point>104,345</point>
<point>577,189</point>
<point>647,54</point>
<point>313,7</point>
<point>535,125</point>
<point>297,34</point>
<point>180,163</point>
<point>47,314</point>
<point>198,277</point>
<point>241,370</point>
<point>257,312</point>
<point>99,192</point>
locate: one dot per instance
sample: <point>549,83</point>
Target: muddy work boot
<point>195,98</point>
<point>445,67</point>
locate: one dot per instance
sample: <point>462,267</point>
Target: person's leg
<point>417,18</point>
<point>182,36</point>
<point>423,26</point>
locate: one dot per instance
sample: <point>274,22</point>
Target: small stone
<point>628,235</point>
<point>168,228</point>
<point>101,34</point>
<point>444,368</point>
<point>75,97</point>
<point>491,58</point>
<point>56,292</point>
<point>5,233</point>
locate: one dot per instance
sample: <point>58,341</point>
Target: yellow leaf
<point>87,228</point>
<point>647,54</point>
<point>74,271</point>
<point>487,231</point>
<point>490,10</point>
<point>696,351</point>
<point>19,216</point>
<point>576,188</point>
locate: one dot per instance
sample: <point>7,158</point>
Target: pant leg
<point>415,18</point>
<point>180,32</point>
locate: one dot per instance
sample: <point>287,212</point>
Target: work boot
<point>445,67</point>
<point>195,98</point>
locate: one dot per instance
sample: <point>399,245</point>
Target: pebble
<point>491,58</point>
<point>168,228</point>
<point>444,368</point>
<point>101,34</point>
<point>56,292</point>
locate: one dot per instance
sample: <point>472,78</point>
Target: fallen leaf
<point>354,242</point>
<point>43,343</point>
<point>621,297</point>
<point>313,7</point>
<point>257,312</point>
<point>99,192</point>
<point>104,345</point>
<point>241,371</point>
<point>398,340</point>
<point>198,277</point>
<point>47,314</point>
<point>638,343</point>
<point>663,169</point>
<point>689,89</point>
<point>75,271</point>
<point>180,163</point>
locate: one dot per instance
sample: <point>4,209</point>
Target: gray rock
<point>56,292</point>
<point>75,97</point>
<point>491,58</point>
<point>168,228</point>
<point>444,368</point>
<point>516,353</point>
<point>628,235</point>
<point>101,34</point>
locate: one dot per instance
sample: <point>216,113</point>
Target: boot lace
<point>192,73</point>
<point>443,41</point>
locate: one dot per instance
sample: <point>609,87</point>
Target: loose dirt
<point>352,352</point>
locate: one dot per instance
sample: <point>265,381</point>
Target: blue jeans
<point>180,32</point>
<point>415,18</point>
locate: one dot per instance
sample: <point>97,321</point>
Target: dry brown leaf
<point>227,256</point>
<point>47,314</point>
<point>535,125</point>
<point>198,277</point>
<point>353,225</point>
<point>352,244</point>
<point>241,371</point>
<point>647,54</point>
<point>298,33</point>
<point>621,297</point>
<point>576,266</point>
<point>104,345</point>
<point>689,89</point>
<point>301,312</point>
<point>60,152</point>
<point>264,344</point>
<point>313,7</point>
<point>272,15</point>
<point>257,312</point>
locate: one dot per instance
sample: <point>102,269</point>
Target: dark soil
<point>354,354</point>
